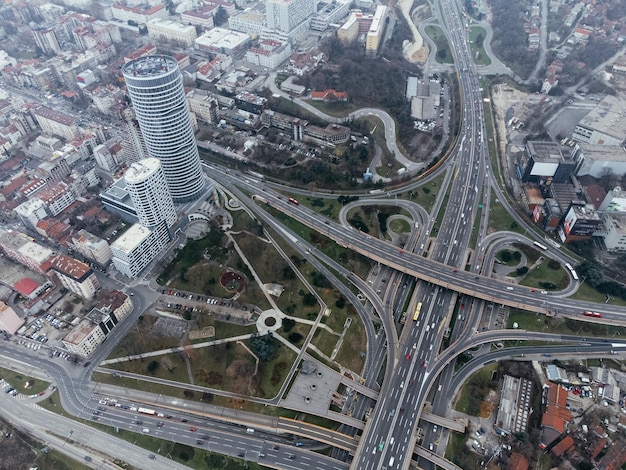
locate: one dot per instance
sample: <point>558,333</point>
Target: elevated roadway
<point>458,425</point>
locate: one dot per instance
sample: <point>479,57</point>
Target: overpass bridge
<point>458,425</point>
<point>362,389</point>
<point>434,458</point>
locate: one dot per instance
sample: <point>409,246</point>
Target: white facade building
<point>269,54</point>
<point>31,212</point>
<point>156,90</point>
<point>172,31</point>
<point>137,247</point>
<point>285,15</point>
<point>92,247</point>
<point>145,182</point>
<point>613,231</point>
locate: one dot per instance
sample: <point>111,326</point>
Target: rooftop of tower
<point>141,169</point>
<point>149,66</point>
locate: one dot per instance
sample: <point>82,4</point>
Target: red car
<point>408,356</point>
<point>193,429</point>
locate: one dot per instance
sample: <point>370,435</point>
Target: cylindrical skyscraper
<point>145,182</point>
<point>156,91</point>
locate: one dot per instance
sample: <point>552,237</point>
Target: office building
<point>145,182</point>
<point>155,87</point>
<point>603,125</point>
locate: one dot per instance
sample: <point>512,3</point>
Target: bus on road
<point>417,311</point>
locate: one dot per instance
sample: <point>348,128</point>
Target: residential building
<point>145,182</point>
<point>9,320</point>
<point>23,249</point>
<point>137,247</point>
<point>155,87</point>
<point>74,275</point>
<point>56,123</point>
<point>204,105</point>
<point>329,96</point>
<point>30,212</point>
<point>92,247</point>
<point>376,32</point>
<point>56,198</point>
<point>106,159</point>
<point>85,337</point>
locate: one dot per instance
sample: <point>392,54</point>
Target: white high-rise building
<point>145,182</point>
<point>155,87</point>
<point>285,15</point>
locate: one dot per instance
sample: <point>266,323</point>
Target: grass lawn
<point>349,354</point>
<point>327,207</point>
<point>338,109</point>
<point>272,268</point>
<point>475,389</point>
<point>444,55</point>
<point>499,218</point>
<point>400,226</point>
<point>477,35</point>
<point>324,341</point>
<point>424,195</point>
<point>17,380</point>
<point>456,447</point>
<point>543,276</point>
<point>140,339</point>
<point>564,326</point>
<point>358,264</point>
<point>586,292</point>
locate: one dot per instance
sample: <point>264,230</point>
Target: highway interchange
<point>412,360</point>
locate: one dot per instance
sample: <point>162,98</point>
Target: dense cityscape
<point>297,234</point>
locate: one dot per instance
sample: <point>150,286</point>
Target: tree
<point>288,324</point>
<point>264,347</point>
<point>295,337</point>
<point>153,366</point>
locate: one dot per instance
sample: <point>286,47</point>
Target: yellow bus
<point>417,311</point>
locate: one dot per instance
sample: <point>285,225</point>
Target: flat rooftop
<point>149,66</point>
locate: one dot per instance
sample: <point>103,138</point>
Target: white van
<point>391,461</point>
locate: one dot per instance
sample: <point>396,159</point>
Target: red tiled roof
<point>564,446</point>
<point>25,286</point>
